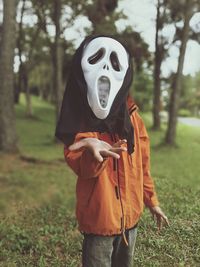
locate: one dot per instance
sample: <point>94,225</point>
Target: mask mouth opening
<point>103,87</point>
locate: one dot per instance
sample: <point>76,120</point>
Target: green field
<point>38,227</point>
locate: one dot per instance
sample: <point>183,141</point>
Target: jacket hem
<point>108,232</point>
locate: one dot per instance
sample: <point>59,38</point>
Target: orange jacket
<point>110,195</point>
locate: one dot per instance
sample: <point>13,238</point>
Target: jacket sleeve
<point>150,196</point>
<point>82,162</point>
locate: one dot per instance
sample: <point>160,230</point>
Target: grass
<point>38,226</point>
<point>37,134</point>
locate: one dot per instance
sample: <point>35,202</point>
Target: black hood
<point>76,115</point>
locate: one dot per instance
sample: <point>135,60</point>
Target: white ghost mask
<point>104,63</point>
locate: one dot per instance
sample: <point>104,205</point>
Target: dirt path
<point>189,121</point>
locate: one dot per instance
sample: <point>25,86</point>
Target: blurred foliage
<point>184,113</point>
<point>190,95</point>
<point>142,90</point>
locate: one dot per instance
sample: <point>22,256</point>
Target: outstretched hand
<point>100,149</point>
<point>159,216</point>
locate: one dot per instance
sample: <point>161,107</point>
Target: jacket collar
<point>131,105</point>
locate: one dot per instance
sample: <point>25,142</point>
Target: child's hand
<point>160,217</point>
<point>100,148</point>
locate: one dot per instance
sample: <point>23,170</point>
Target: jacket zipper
<point>118,194</point>
<point>132,109</point>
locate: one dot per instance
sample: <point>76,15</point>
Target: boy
<point>107,146</point>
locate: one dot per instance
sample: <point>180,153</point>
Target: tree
<point>158,59</point>
<point>28,42</point>
<point>51,13</point>
<point>57,54</point>
<point>187,9</point>
<point>8,137</point>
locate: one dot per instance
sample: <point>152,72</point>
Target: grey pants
<point>108,251</point>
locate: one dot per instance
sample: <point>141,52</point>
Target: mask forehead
<point>109,45</point>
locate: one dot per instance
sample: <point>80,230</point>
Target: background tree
<point>30,46</point>
<point>57,54</point>
<point>8,137</point>
<point>159,55</point>
<point>183,10</point>
<point>51,14</point>
<point>32,49</point>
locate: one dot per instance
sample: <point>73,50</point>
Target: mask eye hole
<point>96,57</point>
<point>114,61</point>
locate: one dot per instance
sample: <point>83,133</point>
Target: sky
<point>141,17</point>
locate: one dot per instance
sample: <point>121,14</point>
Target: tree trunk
<point>157,71</point>
<point>57,60</point>
<point>176,85</point>
<point>8,137</point>
<point>16,91</point>
<point>29,110</point>
<point>20,39</point>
